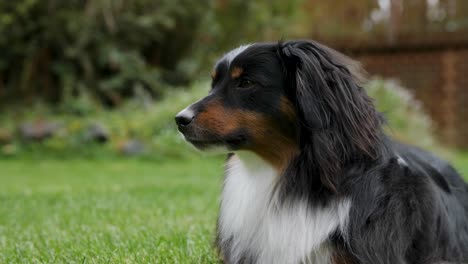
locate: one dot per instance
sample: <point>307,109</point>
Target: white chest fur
<point>252,217</point>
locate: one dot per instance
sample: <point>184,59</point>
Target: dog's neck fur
<point>255,225</point>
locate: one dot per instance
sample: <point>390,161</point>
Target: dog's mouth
<point>231,142</point>
<point>204,144</point>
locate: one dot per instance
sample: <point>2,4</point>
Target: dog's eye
<point>246,83</point>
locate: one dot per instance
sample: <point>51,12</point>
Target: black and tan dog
<point>311,177</point>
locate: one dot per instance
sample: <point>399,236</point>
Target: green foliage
<point>406,120</point>
<point>152,123</point>
<point>58,49</point>
<point>239,22</point>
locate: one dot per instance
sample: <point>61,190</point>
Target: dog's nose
<point>184,117</point>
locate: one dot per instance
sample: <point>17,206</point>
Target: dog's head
<point>283,99</point>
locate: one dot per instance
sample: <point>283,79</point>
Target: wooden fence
<point>438,76</point>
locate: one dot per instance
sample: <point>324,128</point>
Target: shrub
<point>151,123</point>
<point>406,119</point>
<point>56,50</point>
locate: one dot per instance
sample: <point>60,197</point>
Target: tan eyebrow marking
<point>236,72</point>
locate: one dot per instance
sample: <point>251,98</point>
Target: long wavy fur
<point>337,121</point>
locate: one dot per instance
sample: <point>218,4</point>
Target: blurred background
<point>91,165</point>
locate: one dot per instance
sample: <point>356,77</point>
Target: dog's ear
<point>337,120</point>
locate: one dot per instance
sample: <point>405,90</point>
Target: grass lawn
<point>461,163</point>
<point>123,211</point>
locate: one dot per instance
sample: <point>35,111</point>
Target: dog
<point>310,175</point>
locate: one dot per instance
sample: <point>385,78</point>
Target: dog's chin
<point>220,146</point>
<point>213,149</point>
<point>207,145</point>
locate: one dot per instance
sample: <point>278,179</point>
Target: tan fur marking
<point>236,72</point>
<point>267,142</point>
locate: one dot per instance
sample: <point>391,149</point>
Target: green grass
<point>122,211</point>
<point>460,161</point>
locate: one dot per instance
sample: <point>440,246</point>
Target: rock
<point>132,147</point>
<point>97,132</point>
<point>38,130</point>
<point>8,150</point>
<point>5,136</point>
